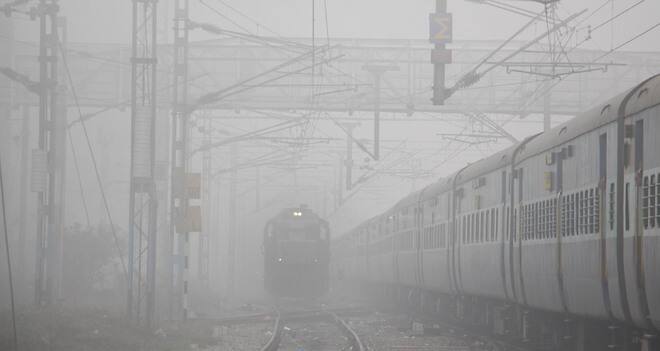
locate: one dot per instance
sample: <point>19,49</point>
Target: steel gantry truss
<point>143,199</point>
<point>179,199</point>
<point>344,86</point>
<point>47,159</point>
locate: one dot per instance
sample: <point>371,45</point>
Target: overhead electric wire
<point>628,41</point>
<point>259,24</point>
<point>536,95</point>
<point>8,253</point>
<point>93,158</point>
<point>264,40</point>
<point>88,116</point>
<point>617,15</point>
<point>222,15</point>
<point>80,185</point>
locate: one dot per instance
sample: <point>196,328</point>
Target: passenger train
<point>296,248</point>
<point>555,238</point>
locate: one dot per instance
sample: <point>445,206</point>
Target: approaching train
<point>296,254</point>
<point>555,239</point>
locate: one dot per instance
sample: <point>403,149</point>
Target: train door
<point>560,217</point>
<point>634,229</point>
<point>459,235</point>
<point>650,213</point>
<point>516,237</point>
<point>454,238</point>
<point>452,233</point>
<point>503,230</point>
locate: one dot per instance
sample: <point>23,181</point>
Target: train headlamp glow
<point>297,214</point>
<point>280,259</point>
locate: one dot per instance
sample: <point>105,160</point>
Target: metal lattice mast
<point>143,200</point>
<point>204,252</point>
<point>45,169</point>
<point>179,234</point>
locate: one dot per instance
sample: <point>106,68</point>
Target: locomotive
<point>555,238</point>
<point>296,254</point>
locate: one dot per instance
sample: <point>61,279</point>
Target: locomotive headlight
<point>297,214</point>
<point>280,259</point>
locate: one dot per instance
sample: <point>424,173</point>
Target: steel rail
<point>274,342</point>
<point>353,338</point>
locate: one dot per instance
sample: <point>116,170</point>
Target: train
<point>554,239</point>
<point>296,245</point>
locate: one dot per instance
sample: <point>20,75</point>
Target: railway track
<point>319,320</point>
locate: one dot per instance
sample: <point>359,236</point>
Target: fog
<point>279,105</point>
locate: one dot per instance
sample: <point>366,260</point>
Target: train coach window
<point>443,235</point>
<point>597,200</point>
<point>514,221</point>
<point>471,229</point>
<point>533,222</point>
<point>657,199</point>
<point>480,227</point>
<point>626,207</point>
<point>491,232</point>
<point>544,217</point>
<point>652,201</point>
<point>473,237</point>
<point>507,224</point>
<point>542,220</point>
<point>428,238</point>
<point>648,202</point>
<point>524,221</point>
<point>497,222</point>
<point>464,229</point>
<point>612,200</point>
<point>592,211</point>
<point>563,230</point>
<point>552,230</point>
<point>580,212</point>
<point>527,217</point>
<point>543,210</point>
<point>468,228</point>
<point>572,208</point>
<point>537,220</point>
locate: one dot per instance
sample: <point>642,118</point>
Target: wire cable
<point>80,185</point>
<point>8,251</point>
<point>618,15</point>
<point>628,41</point>
<point>94,163</point>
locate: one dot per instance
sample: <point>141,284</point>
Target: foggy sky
<point>109,20</point>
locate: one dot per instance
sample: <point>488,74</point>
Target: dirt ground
<point>94,330</point>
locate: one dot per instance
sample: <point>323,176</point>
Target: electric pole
<point>440,28</point>
<point>46,172</point>
<point>179,200</point>
<point>377,71</point>
<point>143,197</point>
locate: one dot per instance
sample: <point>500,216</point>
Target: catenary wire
<point>94,162</point>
